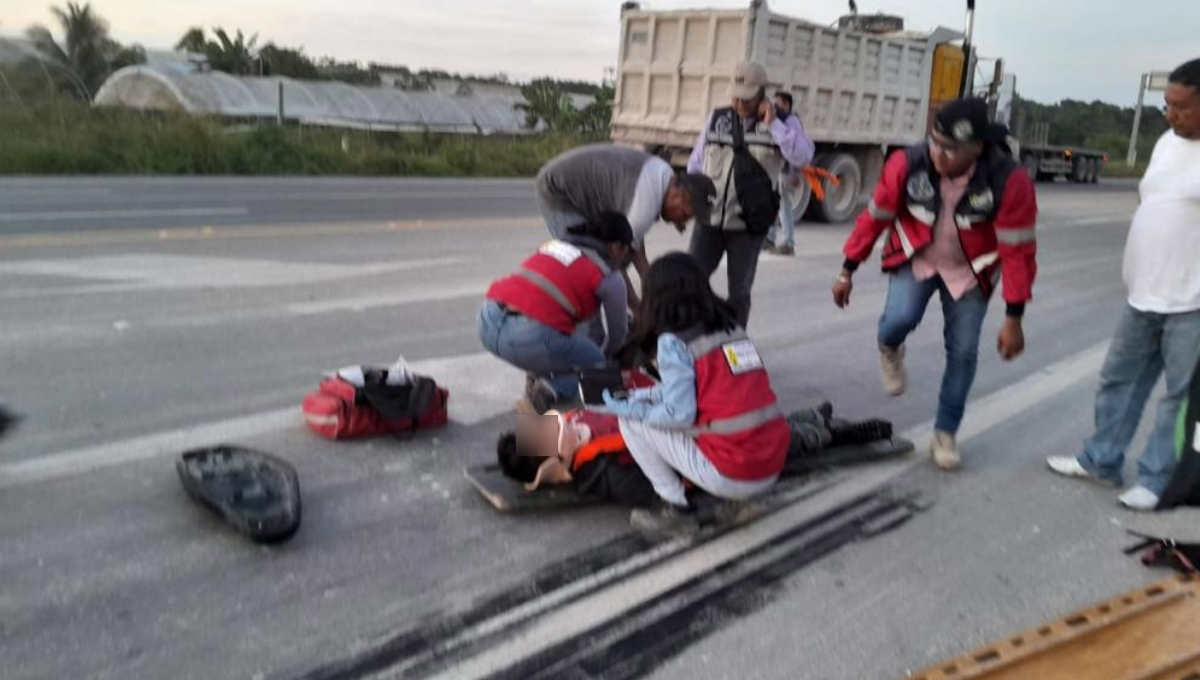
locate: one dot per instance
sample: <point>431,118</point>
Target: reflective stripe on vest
<point>879,214</point>
<point>905,244</point>
<point>984,261</point>
<point>742,423</point>
<point>707,343</point>
<point>1015,237</point>
<point>550,289</point>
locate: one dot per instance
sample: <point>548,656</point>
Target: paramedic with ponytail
<point>714,419</point>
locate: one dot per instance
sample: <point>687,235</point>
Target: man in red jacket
<point>960,215</point>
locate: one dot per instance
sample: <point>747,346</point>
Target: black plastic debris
<point>256,492</point>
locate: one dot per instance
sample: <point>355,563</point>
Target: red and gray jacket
<point>556,286</point>
<point>739,425</point>
<point>996,219</point>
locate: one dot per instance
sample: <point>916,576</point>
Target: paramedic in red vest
<point>714,419</point>
<point>959,214</point>
<point>531,318</point>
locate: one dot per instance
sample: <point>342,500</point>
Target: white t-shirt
<point>646,208</point>
<point>1162,255</point>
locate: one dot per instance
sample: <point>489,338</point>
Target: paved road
<point>130,337</point>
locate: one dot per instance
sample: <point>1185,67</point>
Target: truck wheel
<point>1079,170</point>
<point>1030,163</point>
<point>1094,173</point>
<point>841,202</point>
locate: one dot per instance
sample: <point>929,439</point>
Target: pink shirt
<point>944,256</point>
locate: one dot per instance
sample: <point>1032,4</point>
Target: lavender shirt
<point>794,144</point>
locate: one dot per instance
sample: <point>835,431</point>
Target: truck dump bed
<point>849,87</point>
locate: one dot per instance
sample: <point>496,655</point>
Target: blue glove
<point>617,406</point>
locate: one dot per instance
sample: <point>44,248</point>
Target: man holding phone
<point>753,124</point>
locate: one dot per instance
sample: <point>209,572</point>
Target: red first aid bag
<point>341,410</point>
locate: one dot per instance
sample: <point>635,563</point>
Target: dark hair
<point>676,297</point>
<point>787,97</point>
<point>1187,74</point>
<point>608,227</point>
<point>513,463</point>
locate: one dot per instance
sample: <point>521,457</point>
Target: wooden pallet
<point>1152,633</point>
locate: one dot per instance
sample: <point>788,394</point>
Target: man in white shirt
<point>1159,331</point>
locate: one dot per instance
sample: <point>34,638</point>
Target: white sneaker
<point>945,451</point>
<point>1069,466</point>
<point>891,370</point>
<point>1139,498</point>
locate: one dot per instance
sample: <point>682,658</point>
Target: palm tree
<point>192,41</point>
<point>86,53</point>
<point>545,101</point>
<point>232,55</point>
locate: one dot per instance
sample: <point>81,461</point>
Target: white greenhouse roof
<point>167,87</point>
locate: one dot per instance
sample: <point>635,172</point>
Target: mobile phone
<point>593,382</point>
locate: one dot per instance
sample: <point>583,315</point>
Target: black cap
<point>701,192</point>
<point>964,120</point>
<point>607,227</point>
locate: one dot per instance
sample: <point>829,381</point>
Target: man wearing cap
<point>773,138</point>
<point>960,215</point>
<point>578,185</point>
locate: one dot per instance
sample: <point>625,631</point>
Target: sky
<point>1059,49</point>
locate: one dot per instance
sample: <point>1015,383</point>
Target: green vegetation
<point>70,137</point>
<point>1096,125</point>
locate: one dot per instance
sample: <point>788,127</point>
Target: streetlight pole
<point>1131,159</point>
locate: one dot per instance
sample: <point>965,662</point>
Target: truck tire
<point>1030,163</point>
<point>1079,170</point>
<point>841,202</point>
<point>1094,174</point>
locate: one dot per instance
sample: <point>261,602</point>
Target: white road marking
<point>121,214</point>
<point>481,387</point>
<point>611,602</point>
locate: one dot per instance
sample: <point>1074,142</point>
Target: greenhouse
<point>180,87</point>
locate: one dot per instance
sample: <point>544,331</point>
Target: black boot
<point>862,432</point>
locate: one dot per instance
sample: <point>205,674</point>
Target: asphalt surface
<point>145,316</point>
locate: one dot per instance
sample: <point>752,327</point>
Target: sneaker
<point>891,370</point>
<point>1069,466</point>
<point>665,521</point>
<point>767,245</point>
<point>788,251</point>
<point>1139,498</point>
<point>945,451</point>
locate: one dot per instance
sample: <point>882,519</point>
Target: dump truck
<point>862,88</point>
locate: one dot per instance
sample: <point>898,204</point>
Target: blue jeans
<point>1145,346</point>
<point>536,348</point>
<point>786,218</point>
<point>907,299</point>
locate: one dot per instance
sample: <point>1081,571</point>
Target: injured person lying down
<point>585,449</point>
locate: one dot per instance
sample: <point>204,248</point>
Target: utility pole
<point>1151,82</point>
<point>1131,159</point>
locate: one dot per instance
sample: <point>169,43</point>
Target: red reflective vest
<point>556,286</point>
<point>739,425</point>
